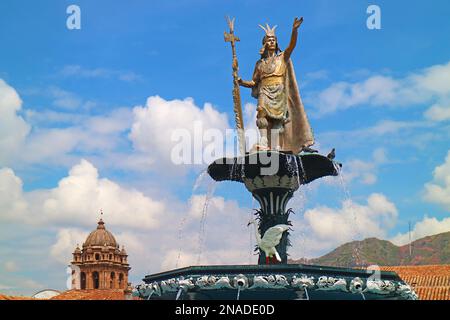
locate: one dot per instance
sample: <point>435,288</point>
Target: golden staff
<point>230,37</point>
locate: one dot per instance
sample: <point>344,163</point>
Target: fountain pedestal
<point>273,193</point>
<point>272,178</point>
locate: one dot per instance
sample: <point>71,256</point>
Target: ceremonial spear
<point>230,37</point>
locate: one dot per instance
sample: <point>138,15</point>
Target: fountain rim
<point>309,166</point>
<point>263,269</point>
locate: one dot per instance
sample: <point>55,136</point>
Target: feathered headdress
<point>270,32</point>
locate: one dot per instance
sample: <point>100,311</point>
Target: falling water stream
<point>250,233</point>
<point>180,238</point>
<point>306,293</point>
<point>296,169</point>
<point>199,181</point>
<point>299,197</point>
<point>299,201</point>
<point>179,294</point>
<point>301,166</point>
<point>348,198</point>
<point>202,232</point>
<point>238,293</point>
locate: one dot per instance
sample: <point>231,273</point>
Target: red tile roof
<point>429,282</point>
<point>110,294</point>
<point>5,297</point>
<point>107,294</point>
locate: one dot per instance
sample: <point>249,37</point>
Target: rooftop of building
<point>106,294</point>
<point>430,282</point>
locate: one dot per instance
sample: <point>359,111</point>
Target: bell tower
<point>100,261</point>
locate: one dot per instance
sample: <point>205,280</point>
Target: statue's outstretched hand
<point>297,22</point>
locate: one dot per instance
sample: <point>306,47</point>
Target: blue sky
<point>381,97</point>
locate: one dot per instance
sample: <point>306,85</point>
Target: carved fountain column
<point>273,193</point>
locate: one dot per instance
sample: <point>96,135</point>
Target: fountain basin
<point>273,282</point>
<point>307,167</point>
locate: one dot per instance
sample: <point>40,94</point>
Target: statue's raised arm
<point>293,42</point>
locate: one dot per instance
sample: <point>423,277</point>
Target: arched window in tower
<point>83,281</point>
<point>97,256</point>
<point>120,280</point>
<point>112,280</point>
<point>95,280</point>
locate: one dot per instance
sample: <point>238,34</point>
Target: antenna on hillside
<point>410,244</point>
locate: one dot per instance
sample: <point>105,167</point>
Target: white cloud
<point>45,118</point>
<point>314,76</point>
<point>427,227</point>
<point>5,287</point>
<point>142,139</point>
<point>12,203</point>
<point>157,124</point>
<point>438,191</point>
<point>326,228</point>
<point>11,266</point>
<point>436,79</point>
<point>179,241</point>
<point>82,72</point>
<point>423,87</point>
<point>59,145</point>
<point>66,242</point>
<point>342,95</point>
<point>174,259</point>
<point>197,205</point>
<point>417,134</point>
<point>17,285</point>
<point>380,129</point>
<point>13,128</point>
<point>438,112</point>
<point>147,228</point>
<point>77,199</point>
<point>118,120</point>
<point>365,171</point>
<point>227,256</point>
<point>64,99</point>
<point>249,114</point>
<point>83,193</point>
<point>89,136</point>
<point>220,233</point>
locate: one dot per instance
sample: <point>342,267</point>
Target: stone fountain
<point>272,171</point>
<point>275,280</point>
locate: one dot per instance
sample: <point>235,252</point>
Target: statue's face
<point>271,43</point>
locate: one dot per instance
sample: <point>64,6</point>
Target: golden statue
<point>281,118</point>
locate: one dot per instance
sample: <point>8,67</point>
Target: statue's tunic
<point>270,76</point>
<point>278,95</point>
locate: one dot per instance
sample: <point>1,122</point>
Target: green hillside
<point>429,250</point>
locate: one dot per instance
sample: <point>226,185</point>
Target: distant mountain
<point>426,251</point>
